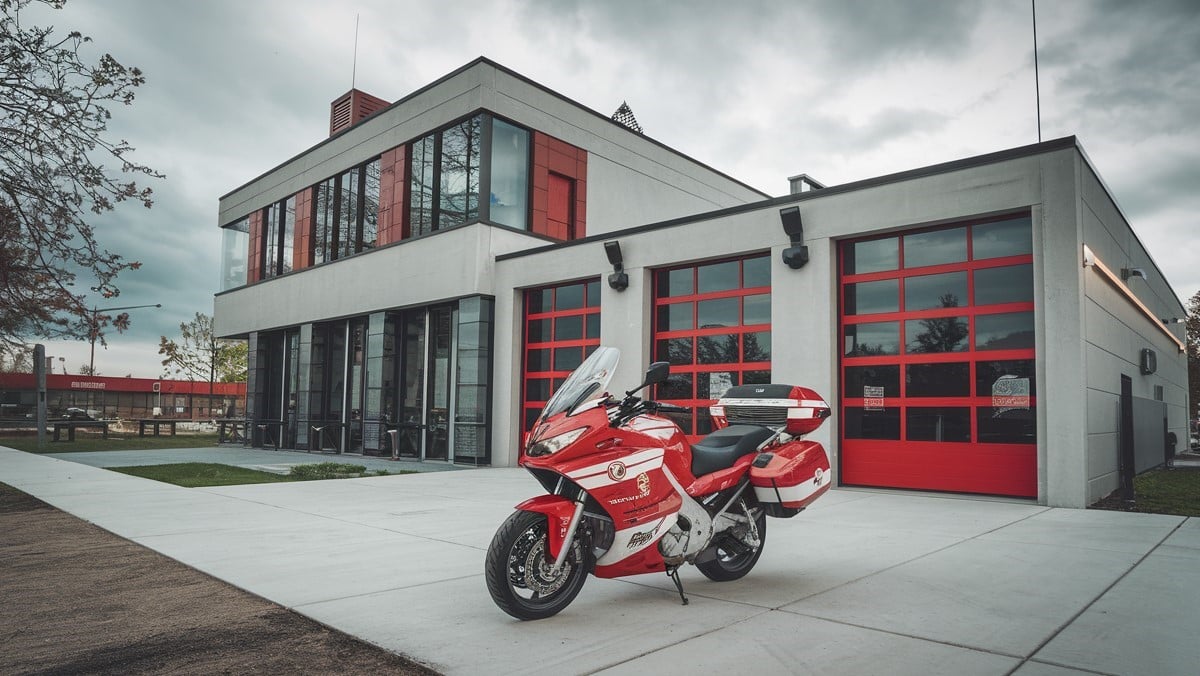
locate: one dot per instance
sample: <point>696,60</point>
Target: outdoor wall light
<point>1128,273</point>
<point>795,256</point>
<point>618,280</point>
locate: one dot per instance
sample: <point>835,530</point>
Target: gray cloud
<point>758,89</point>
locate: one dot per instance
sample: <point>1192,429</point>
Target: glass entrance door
<point>411,426</point>
<point>441,350</point>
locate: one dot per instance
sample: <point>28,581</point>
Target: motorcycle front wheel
<point>518,569</point>
<point>735,559</point>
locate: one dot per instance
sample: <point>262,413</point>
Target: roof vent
<point>624,117</point>
<point>351,108</point>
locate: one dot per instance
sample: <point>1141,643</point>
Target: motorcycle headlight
<point>543,447</point>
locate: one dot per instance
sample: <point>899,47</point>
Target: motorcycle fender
<point>558,511</point>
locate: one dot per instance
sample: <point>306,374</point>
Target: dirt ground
<point>76,599</point>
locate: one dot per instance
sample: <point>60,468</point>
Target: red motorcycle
<point>629,495</point>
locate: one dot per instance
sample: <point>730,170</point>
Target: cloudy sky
<point>760,89</point>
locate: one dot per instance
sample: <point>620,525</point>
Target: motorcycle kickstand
<point>673,573</point>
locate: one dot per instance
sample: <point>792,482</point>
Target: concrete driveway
<point>862,583</point>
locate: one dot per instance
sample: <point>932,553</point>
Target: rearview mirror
<point>656,374</point>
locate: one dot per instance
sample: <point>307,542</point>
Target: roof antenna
<point>1036,83</point>
<point>354,63</point>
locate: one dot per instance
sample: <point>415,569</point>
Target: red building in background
<point>110,398</point>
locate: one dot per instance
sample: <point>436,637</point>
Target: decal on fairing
<point>605,473</point>
<point>630,541</point>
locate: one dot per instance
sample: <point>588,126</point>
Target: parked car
<point>76,414</point>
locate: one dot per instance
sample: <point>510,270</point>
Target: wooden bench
<point>155,425</point>
<point>71,425</point>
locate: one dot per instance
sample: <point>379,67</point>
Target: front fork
<point>562,521</point>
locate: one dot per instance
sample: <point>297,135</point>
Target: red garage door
<point>938,385</point>
<point>562,327</point>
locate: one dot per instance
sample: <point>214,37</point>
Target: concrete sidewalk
<point>862,583</point>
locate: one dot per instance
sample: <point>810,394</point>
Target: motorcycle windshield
<point>588,382</point>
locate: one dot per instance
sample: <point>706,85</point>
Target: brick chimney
<point>351,108</point>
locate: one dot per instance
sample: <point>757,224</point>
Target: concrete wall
<point>1115,332</point>
<point>446,265</point>
<point>631,180</point>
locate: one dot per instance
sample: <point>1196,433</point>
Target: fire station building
<point>438,265</point>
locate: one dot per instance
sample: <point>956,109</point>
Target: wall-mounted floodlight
<point>795,256</point>
<point>1129,273</point>
<point>618,280</point>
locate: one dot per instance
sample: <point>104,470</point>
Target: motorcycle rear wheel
<point>734,561</point>
<point>518,566</point>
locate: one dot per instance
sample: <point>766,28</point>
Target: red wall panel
<point>559,188</point>
<point>256,237</point>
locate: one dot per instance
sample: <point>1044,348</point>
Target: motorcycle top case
<point>798,409</point>
<point>789,478</point>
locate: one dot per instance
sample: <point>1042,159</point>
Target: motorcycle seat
<point>721,449</point>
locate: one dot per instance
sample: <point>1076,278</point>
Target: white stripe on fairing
<point>595,476</point>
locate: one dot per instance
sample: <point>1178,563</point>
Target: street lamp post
<point>94,329</point>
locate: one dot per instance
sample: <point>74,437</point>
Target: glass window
<point>756,377</point>
<point>1008,284</point>
<point>537,360</point>
<point>347,218</point>
<point>756,346</point>
<point>421,183</point>
<point>458,189</point>
<point>756,272</point>
<point>370,202</point>
<point>718,277</point>
<point>1008,331</point>
<point>323,222</point>
<point>1013,237</point>
<point>1007,425</point>
<point>872,339</point>
<point>989,373</point>
<point>714,384</point>
<point>675,282</point>
<point>568,328</point>
<point>537,389</point>
<point>678,386</point>
<point>717,313</point>
<point>939,423</point>
<point>875,255</point>
<point>885,376</point>
<point>675,317</point>
<point>289,234</point>
<point>235,250</point>
<point>720,349</point>
<point>872,297</point>
<point>539,331</point>
<point>593,294</point>
<point>269,263</point>
<point>862,423</point>
<point>926,292</point>
<point>938,334</point>
<point>936,247</point>
<point>757,309</point>
<point>568,297</point>
<point>674,350</point>
<point>938,380</point>
<point>509,199</point>
<point>567,358</point>
<point>592,328</point>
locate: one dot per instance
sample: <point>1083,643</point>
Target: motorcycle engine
<point>691,533</point>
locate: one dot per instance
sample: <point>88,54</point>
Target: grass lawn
<point>1168,492</point>
<point>198,474</point>
<point>1161,491</point>
<point>114,442</point>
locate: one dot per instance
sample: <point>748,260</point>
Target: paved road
<point>861,583</point>
<point>254,458</point>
